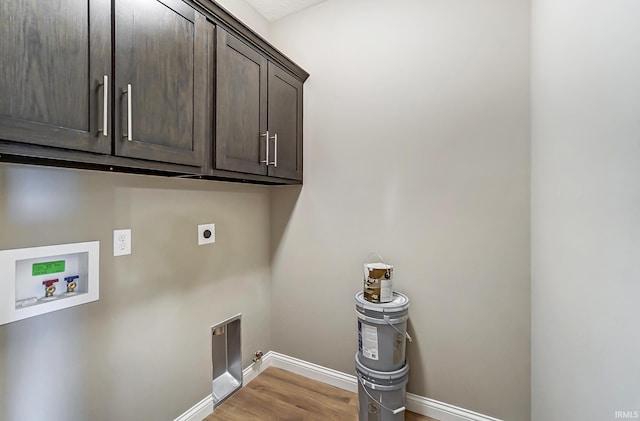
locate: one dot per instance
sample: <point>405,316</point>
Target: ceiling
<point>276,9</point>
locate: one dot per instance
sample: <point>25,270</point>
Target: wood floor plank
<point>279,395</point>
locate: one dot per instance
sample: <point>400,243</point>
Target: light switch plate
<point>206,234</point>
<point>121,242</point>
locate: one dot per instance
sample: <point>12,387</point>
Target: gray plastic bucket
<point>381,395</point>
<point>382,332</point>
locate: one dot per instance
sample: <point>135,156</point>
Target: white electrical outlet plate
<point>206,234</point>
<point>121,242</point>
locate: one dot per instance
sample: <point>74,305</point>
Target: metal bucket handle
<point>393,411</point>
<point>380,259</point>
<point>386,319</point>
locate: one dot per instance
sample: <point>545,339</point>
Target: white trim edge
<point>204,408</point>
<point>314,372</point>
<point>415,403</point>
<point>199,411</point>
<point>442,411</point>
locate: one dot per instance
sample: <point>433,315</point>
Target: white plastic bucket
<point>381,395</point>
<point>382,332</point>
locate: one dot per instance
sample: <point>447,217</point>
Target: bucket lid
<point>378,265</point>
<point>382,375</point>
<point>400,302</point>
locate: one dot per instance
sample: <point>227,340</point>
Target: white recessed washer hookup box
<point>39,280</point>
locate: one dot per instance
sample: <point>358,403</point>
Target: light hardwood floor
<point>278,395</point>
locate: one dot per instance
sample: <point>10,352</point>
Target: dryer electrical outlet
<point>206,234</point>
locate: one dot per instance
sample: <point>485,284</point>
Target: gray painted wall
<point>585,209</point>
<point>247,14</point>
<point>143,351</point>
<point>417,147</point>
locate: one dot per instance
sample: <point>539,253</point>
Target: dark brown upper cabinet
<point>58,90</point>
<point>55,73</point>
<point>158,81</point>
<point>241,106</point>
<point>285,124</point>
<point>258,113</point>
<point>168,87</point>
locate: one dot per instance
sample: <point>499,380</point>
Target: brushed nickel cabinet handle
<point>275,150</point>
<point>105,105</point>
<point>129,133</point>
<point>266,137</point>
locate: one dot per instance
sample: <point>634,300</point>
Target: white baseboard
<point>442,411</point>
<point>314,371</point>
<point>199,411</point>
<point>418,404</point>
<point>204,408</point>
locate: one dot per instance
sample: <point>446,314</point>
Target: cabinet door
<point>285,123</point>
<point>54,56</point>
<point>241,106</point>
<point>156,88</point>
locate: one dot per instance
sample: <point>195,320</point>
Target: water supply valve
<point>71,283</point>
<point>257,356</point>
<point>49,288</point>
